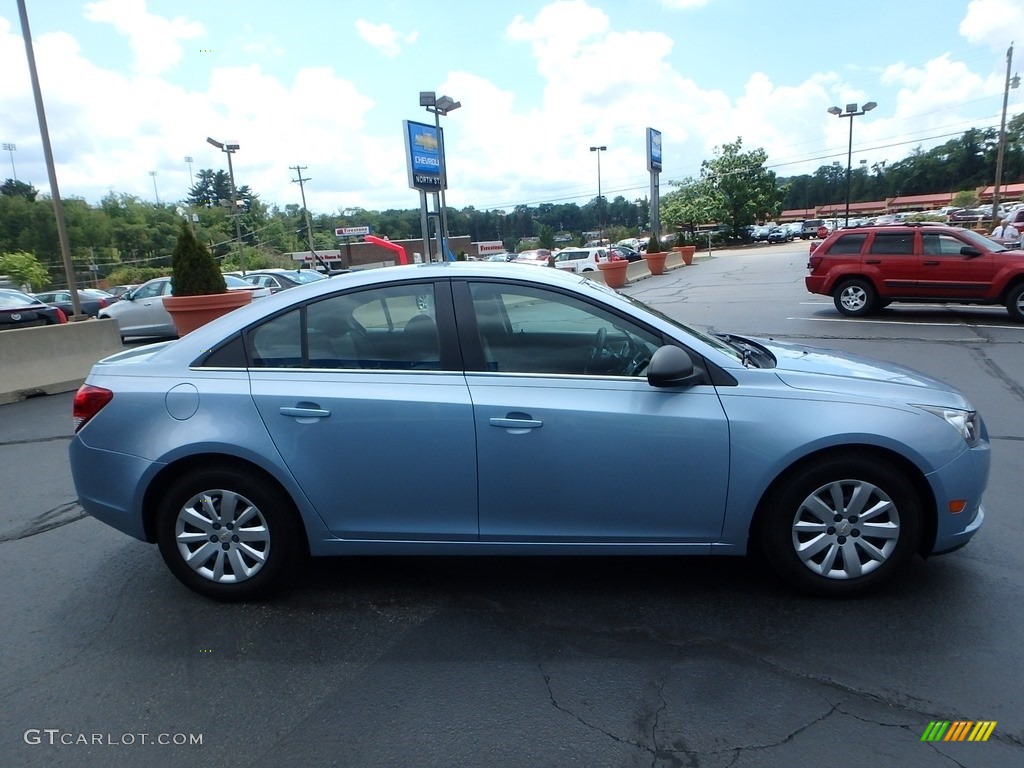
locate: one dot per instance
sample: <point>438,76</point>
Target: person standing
<point>1006,231</point>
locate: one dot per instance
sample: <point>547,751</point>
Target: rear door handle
<point>516,423</point>
<point>931,263</point>
<point>872,261</point>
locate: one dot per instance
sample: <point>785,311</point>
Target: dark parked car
<point>19,310</point>
<point>869,268</point>
<point>430,410</point>
<point>90,300</point>
<point>780,235</point>
<point>280,279</point>
<point>625,253</point>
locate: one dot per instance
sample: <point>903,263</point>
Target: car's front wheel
<point>842,526</point>
<point>227,535</point>
<point>855,298</point>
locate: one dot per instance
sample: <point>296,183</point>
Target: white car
<point>140,312</point>
<point>580,260</point>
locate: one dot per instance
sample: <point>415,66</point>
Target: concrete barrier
<point>53,358</point>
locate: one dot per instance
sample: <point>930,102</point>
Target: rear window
<point>846,245</point>
<point>893,243</point>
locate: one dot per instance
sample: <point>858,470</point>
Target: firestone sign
<point>424,156</point>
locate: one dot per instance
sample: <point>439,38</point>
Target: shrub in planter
<point>194,271</point>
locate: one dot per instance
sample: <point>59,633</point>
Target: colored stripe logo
<point>958,730</point>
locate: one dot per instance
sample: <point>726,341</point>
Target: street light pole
<point>851,111</point>
<point>600,225</point>
<point>230,149</point>
<point>155,193</point>
<point>10,148</point>
<point>191,177</point>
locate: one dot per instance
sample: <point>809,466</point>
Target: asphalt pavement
<point>527,661</point>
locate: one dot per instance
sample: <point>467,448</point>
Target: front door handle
<point>305,415</point>
<point>931,263</point>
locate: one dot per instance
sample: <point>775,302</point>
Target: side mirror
<point>970,251</point>
<point>671,366</point>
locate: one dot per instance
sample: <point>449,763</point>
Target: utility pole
<point>309,227</point>
<point>1002,136</point>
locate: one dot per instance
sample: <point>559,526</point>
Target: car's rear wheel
<point>841,527</point>
<point>227,535</point>
<point>1015,303</point>
<point>855,298</point>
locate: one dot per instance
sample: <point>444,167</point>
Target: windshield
<point>982,242</point>
<point>306,276</point>
<point>712,341</point>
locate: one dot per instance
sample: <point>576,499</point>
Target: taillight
<point>813,262</point>
<point>89,401</point>
<point>61,317</point>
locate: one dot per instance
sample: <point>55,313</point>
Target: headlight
<point>967,423</point>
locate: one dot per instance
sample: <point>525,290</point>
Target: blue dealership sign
<point>653,150</point>
<point>424,152</point>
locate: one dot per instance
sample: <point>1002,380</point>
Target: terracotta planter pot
<point>656,262</point>
<point>686,251</point>
<point>190,312</point>
<point>614,272</point>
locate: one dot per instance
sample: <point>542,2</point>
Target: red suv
<point>868,268</point>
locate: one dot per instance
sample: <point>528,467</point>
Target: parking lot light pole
<point>230,149</point>
<point>851,111</point>
<point>10,148</point>
<point>600,226</point>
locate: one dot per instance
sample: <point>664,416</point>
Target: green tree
<point>692,203</point>
<point>13,188</point>
<point>24,269</point>
<point>745,191</point>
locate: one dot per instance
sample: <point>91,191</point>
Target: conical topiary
<point>653,246</point>
<point>194,271</point>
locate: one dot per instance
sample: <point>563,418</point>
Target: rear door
<point>894,261</point>
<point>363,395</point>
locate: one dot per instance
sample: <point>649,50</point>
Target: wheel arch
<point>871,452</point>
<point>170,474</point>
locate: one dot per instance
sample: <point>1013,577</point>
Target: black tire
<point>1015,303</point>
<point>855,297</point>
<point>853,553</point>
<point>235,563</point>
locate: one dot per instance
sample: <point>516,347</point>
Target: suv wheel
<point>1015,303</point>
<point>855,298</point>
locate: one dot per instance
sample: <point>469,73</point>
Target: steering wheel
<point>600,339</point>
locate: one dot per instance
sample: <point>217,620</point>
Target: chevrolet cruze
<point>430,409</point>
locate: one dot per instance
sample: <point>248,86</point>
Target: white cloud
<point>154,39</point>
<point>994,22</point>
<point>384,37</point>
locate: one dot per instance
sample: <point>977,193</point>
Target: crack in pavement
<point>61,515</point>
<point>30,441</point>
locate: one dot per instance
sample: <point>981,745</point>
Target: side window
<point>394,327</point>
<point>278,342</point>
<point>941,245</point>
<point>847,245</point>
<point>533,330</point>
<point>150,291</point>
<point>893,244</point>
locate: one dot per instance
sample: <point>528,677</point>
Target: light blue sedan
<point>479,409</point>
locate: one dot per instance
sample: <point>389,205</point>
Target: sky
<point>133,87</point>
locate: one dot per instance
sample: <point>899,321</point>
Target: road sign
<point>822,232</point>
<point>351,231</point>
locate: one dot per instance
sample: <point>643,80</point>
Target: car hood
<point>824,370</point>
